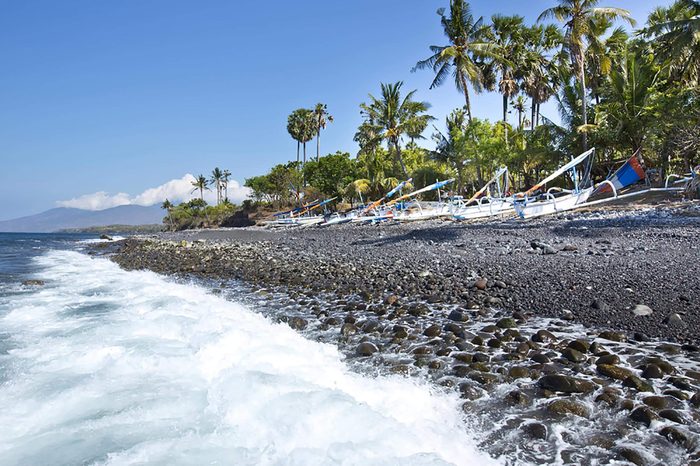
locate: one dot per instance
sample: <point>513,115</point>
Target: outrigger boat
<point>300,216</point>
<point>486,206</point>
<point>552,201</point>
<point>416,210</point>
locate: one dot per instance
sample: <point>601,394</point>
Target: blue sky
<point>119,97</point>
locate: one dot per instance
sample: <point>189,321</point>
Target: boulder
<point>566,384</point>
<point>567,406</point>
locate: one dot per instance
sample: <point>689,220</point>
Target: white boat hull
<point>493,208</point>
<point>551,206</point>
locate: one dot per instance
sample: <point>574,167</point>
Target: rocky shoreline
<point>579,334</point>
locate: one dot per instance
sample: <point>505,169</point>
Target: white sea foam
<point>115,367</point>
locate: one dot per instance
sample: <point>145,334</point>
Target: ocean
<point>104,366</point>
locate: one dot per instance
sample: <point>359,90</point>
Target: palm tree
<point>322,118</point>
<point>167,206</point>
<point>520,106</point>
<point>450,146</point>
<point>307,129</point>
<point>508,37</point>
<point>579,18</point>
<point>224,182</point>
<point>200,184</point>
<point>460,57</point>
<point>295,127</point>
<point>301,125</point>
<point>217,177</point>
<point>676,33</point>
<point>394,116</point>
<point>604,49</point>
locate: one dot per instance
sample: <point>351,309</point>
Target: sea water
<point>104,366</point>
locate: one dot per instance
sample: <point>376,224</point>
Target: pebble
<point>642,310</point>
<point>366,349</point>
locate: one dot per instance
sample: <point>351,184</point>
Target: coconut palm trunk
<point>584,113</point>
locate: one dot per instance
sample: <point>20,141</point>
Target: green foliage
<point>332,173</point>
<point>280,186</point>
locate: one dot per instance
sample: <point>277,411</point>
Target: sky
<point>108,103</point>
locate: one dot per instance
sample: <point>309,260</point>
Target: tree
<point>539,67</point>
<point>520,106</point>
<point>460,57</point>
<point>200,184</point>
<point>393,116</point>
<point>579,18</point>
<point>217,178</point>
<point>675,32</point>
<point>331,174</point>
<point>295,127</point>
<point>168,206</point>
<point>508,38</point>
<point>451,148</point>
<point>322,118</point>
<point>627,104</point>
<point>225,180</point>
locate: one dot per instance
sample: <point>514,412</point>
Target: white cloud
<point>96,201</point>
<point>177,190</point>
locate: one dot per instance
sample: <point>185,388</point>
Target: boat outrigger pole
<point>561,170</point>
<point>388,195</point>
<point>496,179</point>
<point>432,187</point>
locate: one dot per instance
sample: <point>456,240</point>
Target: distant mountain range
<point>66,218</point>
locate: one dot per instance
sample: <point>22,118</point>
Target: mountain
<point>64,217</point>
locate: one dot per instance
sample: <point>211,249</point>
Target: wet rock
<point>506,322</point>
<point>580,345</point>
<point>534,430</point>
<point>632,455</point>
<point>642,310</point>
<point>480,283</point>
<point>681,383</point>
<point>540,358</point>
<point>484,378</point>
<point>400,331</point>
<point>543,336</point>
<point>609,397</point>
<point>638,384</point>
<point>675,435</point>
<point>517,397</point>
<point>463,357</point>
<point>432,331</point>
<point>695,400</point>
<point>652,371</point>
<point>677,394</point>
<point>610,359</point>
<point>469,391</point>
<point>674,320</point>
<point>494,343</point>
<point>644,415</point>
<point>478,341</point>
<point>33,283</point>
<point>612,336</point>
<point>566,384</point>
<point>481,357</point>
<point>106,237</point>
<point>672,415</point>
<point>566,406</point>
<point>297,323</point>
<point>664,365</point>
<point>596,348</point>
<point>518,372</point>
<point>614,372</point>
<point>366,349</point>
<point>567,315</point>
<point>656,402</point>
<point>423,350</point>
<point>573,355</point>
<point>348,329</point>
<point>391,300</point>
<point>458,316</point>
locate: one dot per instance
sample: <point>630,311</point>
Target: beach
<point>587,321</point>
